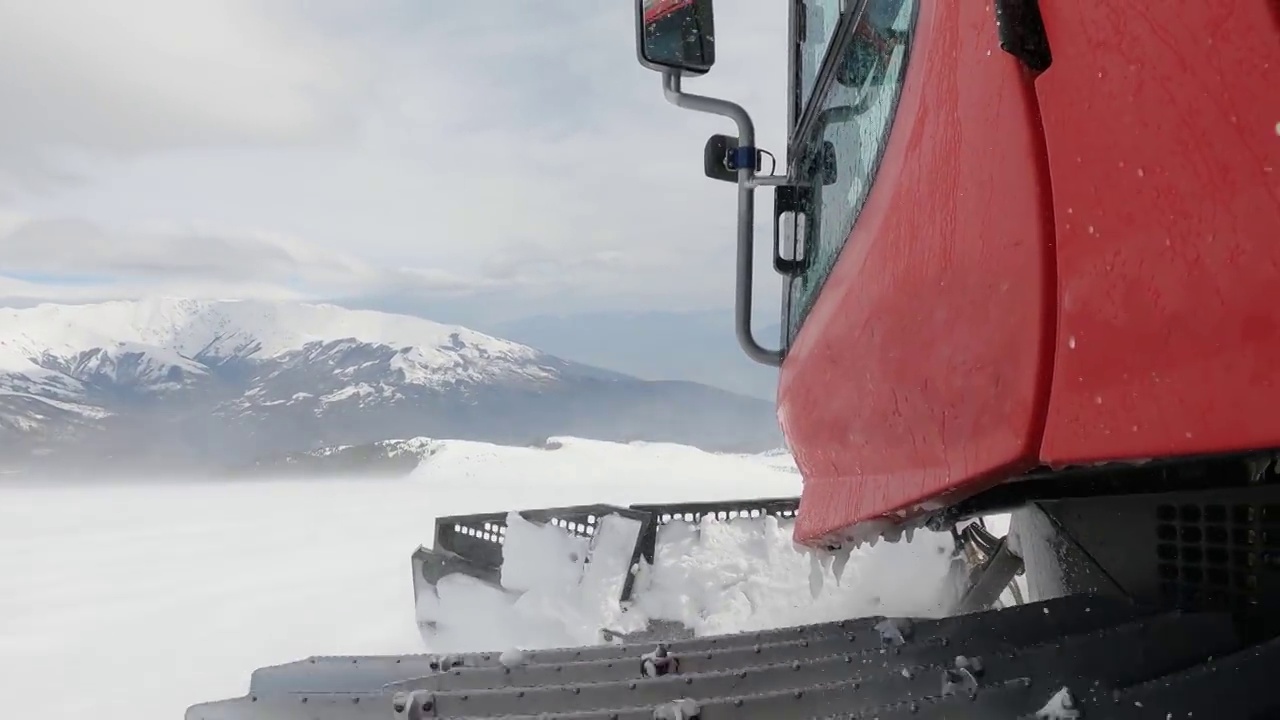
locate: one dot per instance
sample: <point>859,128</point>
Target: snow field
<point>137,600</point>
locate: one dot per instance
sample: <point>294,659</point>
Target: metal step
<point>1115,660</point>
<point>878,685</point>
<point>604,663</point>
<point>861,646</point>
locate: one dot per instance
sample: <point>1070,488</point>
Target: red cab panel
<point>923,367</point>
<point>1162,123</point>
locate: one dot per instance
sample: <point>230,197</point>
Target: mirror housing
<point>675,36</point>
<point>720,158</point>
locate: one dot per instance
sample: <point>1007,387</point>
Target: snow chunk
<point>512,657</point>
<point>609,564</point>
<point>1060,707</point>
<point>682,709</point>
<point>540,557</point>
<point>894,631</point>
<point>728,576</point>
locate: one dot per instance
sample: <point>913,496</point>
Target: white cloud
<point>126,77</point>
<point>469,146</point>
<point>58,247</point>
<point>73,259</point>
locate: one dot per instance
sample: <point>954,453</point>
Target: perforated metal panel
<point>1215,555</point>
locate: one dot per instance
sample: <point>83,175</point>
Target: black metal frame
<point>1195,550</point>
<point>472,544</point>
<point>1192,533</point>
<point>1202,472</point>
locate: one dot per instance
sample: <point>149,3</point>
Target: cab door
<point>1163,126</point>
<point>921,322</point>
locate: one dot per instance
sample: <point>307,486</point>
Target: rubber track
<point>1115,659</point>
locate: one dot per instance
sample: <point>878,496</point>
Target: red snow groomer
<point>1031,252</point>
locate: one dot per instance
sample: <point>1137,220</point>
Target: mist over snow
<point>147,597</point>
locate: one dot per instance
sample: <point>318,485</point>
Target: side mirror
<point>675,35</point>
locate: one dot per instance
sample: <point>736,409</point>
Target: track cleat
<point>658,663</point>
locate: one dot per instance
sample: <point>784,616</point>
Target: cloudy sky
<point>508,155</point>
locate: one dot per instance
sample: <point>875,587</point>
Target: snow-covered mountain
<point>224,382</point>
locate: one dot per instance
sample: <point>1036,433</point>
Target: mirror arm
<point>746,209</point>
<point>770,180</point>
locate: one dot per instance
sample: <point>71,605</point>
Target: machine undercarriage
<point>1139,604</point>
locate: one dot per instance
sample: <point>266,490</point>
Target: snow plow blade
<point>620,539</point>
<point>1074,657</point>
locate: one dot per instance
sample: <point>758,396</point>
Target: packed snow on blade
<point>598,574</point>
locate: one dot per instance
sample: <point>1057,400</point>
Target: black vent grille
<point>1216,556</point>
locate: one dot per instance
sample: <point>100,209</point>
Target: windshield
<point>839,149</point>
<point>817,26</point>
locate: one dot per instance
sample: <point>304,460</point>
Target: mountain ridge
<point>222,381</point>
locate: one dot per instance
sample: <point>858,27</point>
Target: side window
<point>845,140</point>
<point>818,20</point>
